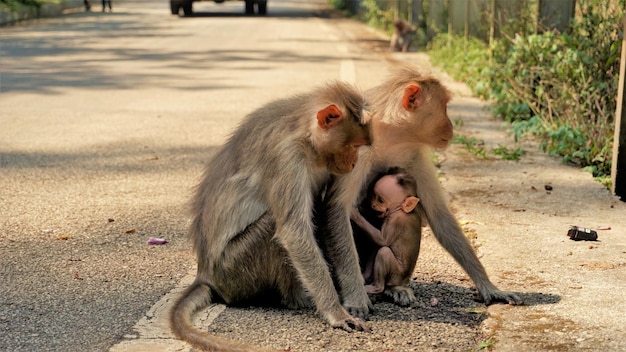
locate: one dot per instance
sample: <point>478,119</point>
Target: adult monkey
<point>409,118</point>
<point>252,225</point>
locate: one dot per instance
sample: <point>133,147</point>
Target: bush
<point>560,88</point>
<point>376,16</point>
<point>464,59</point>
<point>13,5</point>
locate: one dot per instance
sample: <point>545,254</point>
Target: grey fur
<point>252,226</point>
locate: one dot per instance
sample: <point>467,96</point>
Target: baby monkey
<point>392,197</point>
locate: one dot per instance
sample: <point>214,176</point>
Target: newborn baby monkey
<point>393,198</point>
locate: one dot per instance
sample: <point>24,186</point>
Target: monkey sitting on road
<point>252,215</point>
<point>409,118</point>
<point>390,255</point>
<point>402,35</point>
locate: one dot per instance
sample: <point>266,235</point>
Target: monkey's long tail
<point>196,297</point>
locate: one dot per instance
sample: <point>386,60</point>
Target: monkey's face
<point>433,125</point>
<point>388,196</point>
<point>443,130</point>
<point>341,153</point>
<point>343,161</point>
<point>438,130</point>
<point>427,114</point>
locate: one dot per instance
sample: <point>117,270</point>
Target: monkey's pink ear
<point>411,99</point>
<point>409,204</point>
<point>329,116</point>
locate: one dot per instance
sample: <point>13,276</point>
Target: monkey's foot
<point>401,295</point>
<point>500,296</point>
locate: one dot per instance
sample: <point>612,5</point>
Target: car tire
<point>174,7</point>
<point>262,7</point>
<point>249,7</point>
<point>187,8</point>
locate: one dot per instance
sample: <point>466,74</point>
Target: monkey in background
<point>252,215</point>
<point>390,257</point>
<point>409,119</point>
<point>402,35</point>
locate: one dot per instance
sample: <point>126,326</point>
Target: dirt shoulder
<point>518,213</point>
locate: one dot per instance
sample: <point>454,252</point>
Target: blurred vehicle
<point>187,8</point>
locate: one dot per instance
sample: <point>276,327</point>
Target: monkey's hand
<point>342,320</point>
<point>359,308</point>
<point>360,313</point>
<point>354,214</point>
<point>501,296</point>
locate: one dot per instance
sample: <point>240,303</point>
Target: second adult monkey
<point>252,225</point>
<point>409,118</point>
<point>392,198</point>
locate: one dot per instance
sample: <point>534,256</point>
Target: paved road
<point>106,122</point>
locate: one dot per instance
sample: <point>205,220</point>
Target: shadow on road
<point>130,156</point>
<point>57,55</point>
<point>275,14</point>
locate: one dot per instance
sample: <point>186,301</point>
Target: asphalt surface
<point>106,122</point>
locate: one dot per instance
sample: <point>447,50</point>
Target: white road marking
<point>152,332</point>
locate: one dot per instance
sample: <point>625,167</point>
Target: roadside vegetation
<point>15,5</point>
<point>477,147</point>
<point>558,88</point>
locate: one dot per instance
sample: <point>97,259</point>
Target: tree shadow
<point>28,63</point>
<point>275,10</point>
<point>130,156</point>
